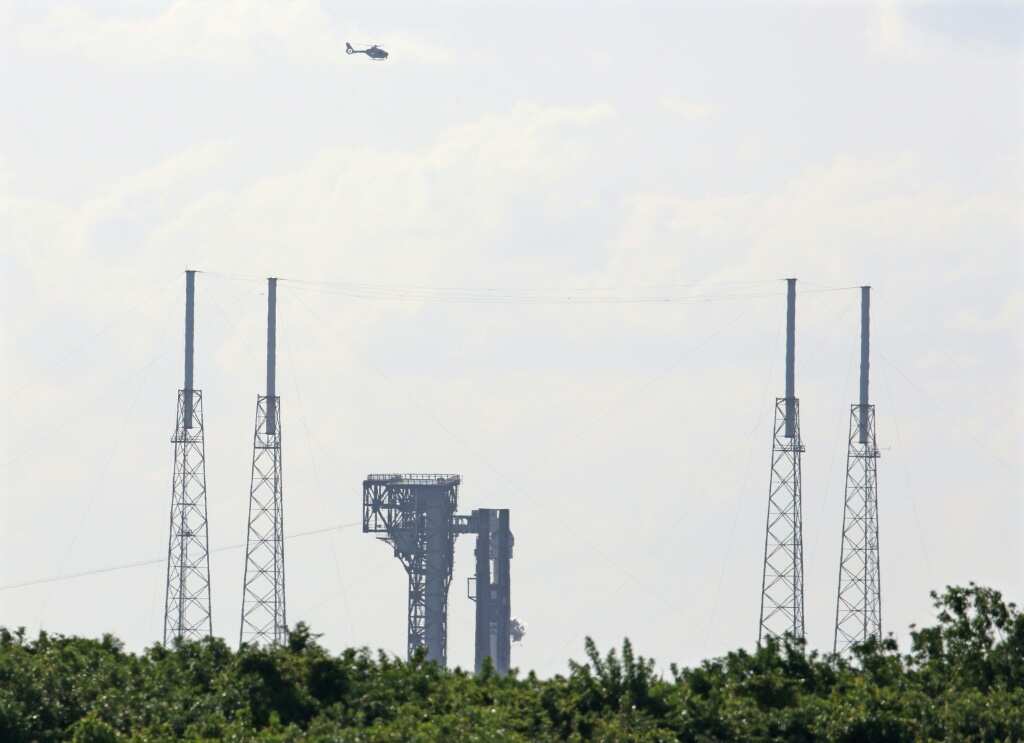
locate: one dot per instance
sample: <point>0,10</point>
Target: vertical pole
<point>271,352</point>
<point>437,525</point>
<point>790,354</point>
<point>503,611</point>
<point>481,520</point>
<point>865,336</point>
<point>183,539</point>
<point>190,316</point>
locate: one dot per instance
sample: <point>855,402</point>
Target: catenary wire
<point>716,291</point>
<point>161,560</point>
<point>143,299</point>
<point>509,482</point>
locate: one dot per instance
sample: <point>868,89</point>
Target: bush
<point>962,679</point>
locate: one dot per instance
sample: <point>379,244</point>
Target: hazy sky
<point>606,149</point>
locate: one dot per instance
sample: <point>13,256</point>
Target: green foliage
<point>962,680</point>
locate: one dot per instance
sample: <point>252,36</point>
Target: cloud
<point>230,33</point>
<point>889,34</point>
<point>917,32</point>
<point>346,211</point>
<point>881,221</point>
<point>988,24</point>
<point>57,245</point>
<point>808,220</point>
<point>448,198</point>
<point>1003,319</point>
<point>407,47</point>
<point>689,110</point>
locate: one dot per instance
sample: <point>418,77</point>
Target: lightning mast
<point>782,583</point>
<point>263,594</point>
<point>859,601</point>
<point>187,598</point>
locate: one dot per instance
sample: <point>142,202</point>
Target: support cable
<point>311,447</point>
<point>836,449</point>
<point>611,560</point>
<point>736,290</point>
<point>145,298</point>
<point>160,560</point>
<point>982,445</point>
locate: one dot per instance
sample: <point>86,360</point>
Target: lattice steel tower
<point>782,582</point>
<point>416,516</point>
<point>264,619</point>
<point>859,602</point>
<point>187,600</point>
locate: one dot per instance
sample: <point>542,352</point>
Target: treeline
<point>962,680</point>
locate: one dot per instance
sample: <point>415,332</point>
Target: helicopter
<point>373,52</point>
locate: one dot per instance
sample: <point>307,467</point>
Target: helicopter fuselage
<point>373,52</point>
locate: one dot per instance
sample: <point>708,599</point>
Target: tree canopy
<point>962,679</point>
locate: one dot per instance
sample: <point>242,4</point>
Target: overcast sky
<point>592,149</point>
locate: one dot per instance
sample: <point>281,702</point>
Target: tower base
<point>782,583</point>
<point>859,600</point>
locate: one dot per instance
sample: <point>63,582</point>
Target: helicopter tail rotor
<point>349,49</point>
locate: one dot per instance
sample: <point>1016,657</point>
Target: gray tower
<point>264,620</point>
<point>782,583</point>
<point>490,588</point>
<point>859,603</point>
<point>187,598</point>
<point>415,514</point>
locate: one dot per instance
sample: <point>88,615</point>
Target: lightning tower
<point>187,598</point>
<point>859,602</point>
<point>782,582</point>
<point>263,595</point>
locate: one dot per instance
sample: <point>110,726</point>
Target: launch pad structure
<point>416,515</point>
<point>490,588</point>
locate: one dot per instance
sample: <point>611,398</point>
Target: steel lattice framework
<point>263,591</point>
<point>782,584</point>
<point>859,600</point>
<point>859,603</point>
<point>187,604</point>
<point>264,615</point>
<point>416,516</point>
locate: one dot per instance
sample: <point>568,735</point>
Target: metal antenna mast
<point>187,601</point>
<point>859,602</point>
<point>782,583</point>
<point>263,595</point>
